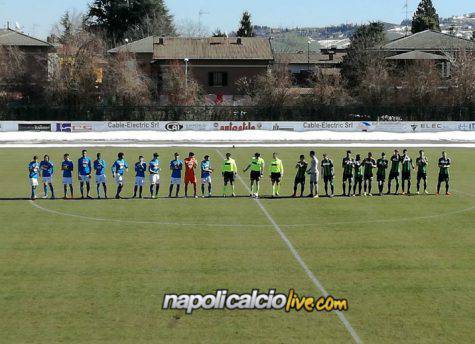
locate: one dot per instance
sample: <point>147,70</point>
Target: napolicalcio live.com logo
<point>255,300</point>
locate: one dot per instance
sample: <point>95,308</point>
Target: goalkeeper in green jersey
<point>394,172</point>
<point>444,176</point>
<point>301,167</point>
<point>276,170</point>
<point>257,166</point>
<point>347,165</point>
<point>421,163</point>
<point>358,175</point>
<point>229,171</point>
<point>407,167</point>
<point>369,164</point>
<point>328,172</point>
<point>382,165</point>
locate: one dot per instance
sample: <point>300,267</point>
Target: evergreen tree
<point>66,26</point>
<point>116,18</point>
<point>245,30</point>
<point>425,18</point>
<point>360,57</point>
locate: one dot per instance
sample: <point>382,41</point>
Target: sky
<point>37,17</point>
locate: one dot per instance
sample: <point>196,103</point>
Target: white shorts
<point>314,177</point>
<point>48,180</point>
<point>101,178</point>
<point>206,180</point>
<point>154,179</point>
<point>139,181</point>
<point>175,181</point>
<point>67,181</point>
<point>34,181</point>
<point>85,179</point>
<point>119,179</point>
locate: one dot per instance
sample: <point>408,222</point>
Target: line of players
<point>357,174</point>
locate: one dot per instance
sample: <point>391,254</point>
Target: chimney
<point>239,41</point>
<point>161,41</point>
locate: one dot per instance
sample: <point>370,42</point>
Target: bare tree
<point>181,89</point>
<point>124,83</point>
<point>76,71</point>
<point>190,28</point>
<point>463,76</point>
<point>377,85</point>
<point>12,65</point>
<point>420,85</point>
<point>327,90</point>
<point>271,89</point>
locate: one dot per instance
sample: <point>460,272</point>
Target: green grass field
<point>96,271</point>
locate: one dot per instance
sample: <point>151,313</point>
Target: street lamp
<point>309,41</point>
<point>186,72</point>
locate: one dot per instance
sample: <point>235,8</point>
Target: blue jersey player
<point>33,174</point>
<point>176,166</point>
<point>206,172</point>
<point>67,167</point>
<point>100,177</point>
<point>140,169</point>
<point>47,170</point>
<point>154,170</point>
<point>84,173</point>
<point>118,169</point>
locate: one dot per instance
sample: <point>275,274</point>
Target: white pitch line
<point>55,212</point>
<point>299,259</point>
<point>326,224</point>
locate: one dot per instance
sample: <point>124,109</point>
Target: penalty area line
<point>299,259</point>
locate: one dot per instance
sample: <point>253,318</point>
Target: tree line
<point>82,75</point>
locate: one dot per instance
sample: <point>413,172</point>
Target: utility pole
<point>406,6</point>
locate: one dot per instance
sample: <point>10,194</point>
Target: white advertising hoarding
<point>337,126</point>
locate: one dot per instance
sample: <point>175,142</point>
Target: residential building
<point>440,48</point>
<point>33,54</point>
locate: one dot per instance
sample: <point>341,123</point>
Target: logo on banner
<point>64,127</point>
<point>34,127</point>
<point>173,126</point>
<point>466,126</point>
<point>231,126</point>
<point>73,127</point>
<point>414,127</point>
<point>276,126</point>
<point>365,126</point>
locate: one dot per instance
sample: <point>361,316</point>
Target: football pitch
<point>97,270</point>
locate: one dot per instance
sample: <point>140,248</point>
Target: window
<point>218,79</point>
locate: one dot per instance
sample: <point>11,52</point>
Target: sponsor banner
<point>74,127</point>
<point>34,126</point>
<point>176,126</point>
<point>126,126</point>
<point>238,126</point>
